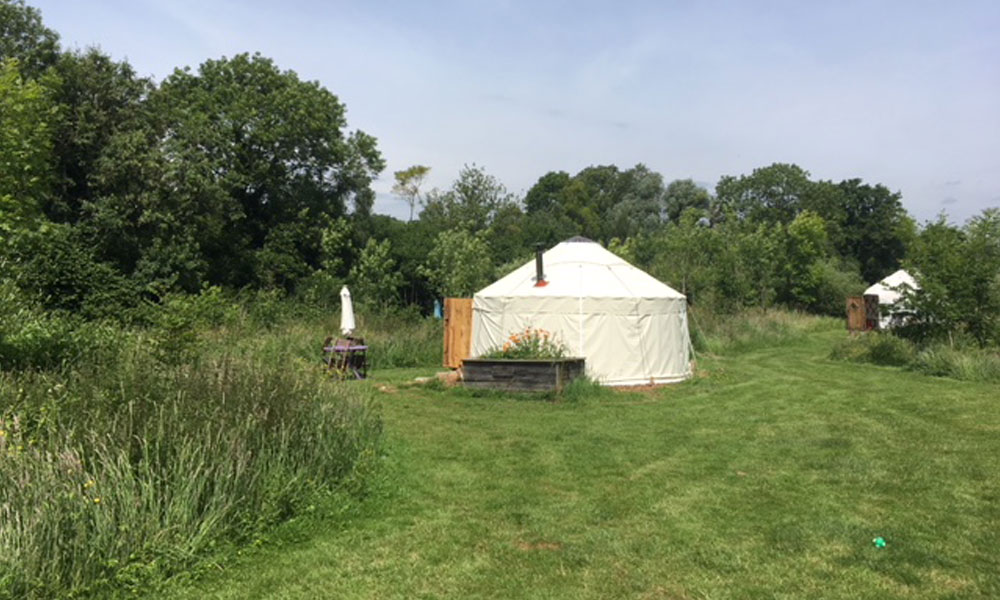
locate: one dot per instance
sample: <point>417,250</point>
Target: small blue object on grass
<point>879,542</point>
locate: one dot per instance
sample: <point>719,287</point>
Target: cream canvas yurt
<point>631,328</point>
<point>889,292</point>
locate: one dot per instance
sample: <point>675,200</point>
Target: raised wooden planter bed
<point>525,375</point>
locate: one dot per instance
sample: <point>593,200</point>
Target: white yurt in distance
<point>889,292</point>
<point>631,328</point>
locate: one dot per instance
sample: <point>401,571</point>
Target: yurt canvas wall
<point>631,328</point>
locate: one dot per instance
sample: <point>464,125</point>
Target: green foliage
<point>600,202</point>
<point>408,183</point>
<point>472,203</point>
<point>876,228</point>
<point>401,338</point>
<point>969,364</point>
<point>773,194</point>
<point>729,333</point>
<point>459,264</point>
<point>937,359</point>
<point>24,38</point>
<point>59,268</point>
<point>255,164</point>
<point>99,98</point>
<point>529,344</point>
<point>137,470</point>
<point>877,348</point>
<point>958,270</point>
<point>683,194</point>
<point>31,338</point>
<point>833,281</point>
<point>374,278</point>
<point>27,114</point>
<point>177,320</point>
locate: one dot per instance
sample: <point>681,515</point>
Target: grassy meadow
<point>766,476</point>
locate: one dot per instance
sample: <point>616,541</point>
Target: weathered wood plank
<point>521,375</point>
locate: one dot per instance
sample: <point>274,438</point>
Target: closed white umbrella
<point>346,311</point>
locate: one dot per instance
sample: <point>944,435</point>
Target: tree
<point>686,255</point>
<point>599,202</point>
<point>408,183</point>
<point>545,195</point>
<point>683,194</point>
<point>958,270</point>
<point>806,243</point>
<point>472,202</point>
<point>759,254</point>
<point>459,264</point>
<point>99,98</point>
<point>374,276</point>
<point>546,220</point>
<point>24,38</point>
<point>228,155</point>
<point>26,113</point>
<point>769,194</point>
<point>639,207</point>
<point>875,230</point>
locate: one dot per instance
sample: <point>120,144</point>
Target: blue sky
<point>906,94</point>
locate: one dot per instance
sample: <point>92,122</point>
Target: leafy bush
<point>879,348</point>
<point>33,339</point>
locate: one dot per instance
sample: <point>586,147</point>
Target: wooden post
<point>457,331</point>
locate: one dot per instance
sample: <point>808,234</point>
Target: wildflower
<point>90,483</point>
<point>97,500</point>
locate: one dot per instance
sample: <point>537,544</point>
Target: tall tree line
<point>116,189</point>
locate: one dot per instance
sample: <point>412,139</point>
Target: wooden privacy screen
<point>862,312</point>
<point>457,331</point>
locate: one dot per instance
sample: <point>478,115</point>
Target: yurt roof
<point>885,288</point>
<point>579,267</point>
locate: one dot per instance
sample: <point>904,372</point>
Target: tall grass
<point>724,333</point>
<point>110,477</point>
<point>940,359</point>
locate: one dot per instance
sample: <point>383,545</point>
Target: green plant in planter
<point>529,344</point>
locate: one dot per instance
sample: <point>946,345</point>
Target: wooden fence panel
<point>457,331</point>
<point>855,313</point>
<point>862,312</point>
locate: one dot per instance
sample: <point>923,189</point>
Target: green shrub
<point>967,364</point>
<point>880,348</point>
<point>31,338</point>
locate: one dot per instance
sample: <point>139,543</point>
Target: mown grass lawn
<point>766,477</point>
